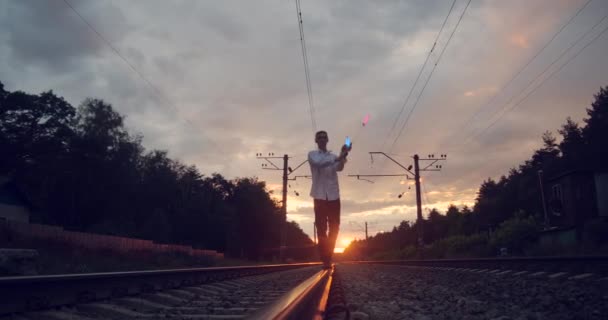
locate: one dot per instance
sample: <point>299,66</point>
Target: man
<point>325,191</point>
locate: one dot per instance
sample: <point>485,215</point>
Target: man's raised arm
<point>340,163</point>
<point>341,160</point>
<point>317,161</point>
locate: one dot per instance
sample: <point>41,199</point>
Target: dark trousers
<point>327,216</point>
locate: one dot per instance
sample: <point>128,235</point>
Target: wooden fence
<point>97,241</point>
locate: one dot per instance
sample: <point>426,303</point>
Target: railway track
<point>417,289</point>
<point>498,289</point>
<point>288,291</point>
<point>592,265</point>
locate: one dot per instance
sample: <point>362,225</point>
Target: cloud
<point>353,207</point>
<point>483,91</point>
<point>50,35</point>
<point>229,83</point>
<point>520,40</point>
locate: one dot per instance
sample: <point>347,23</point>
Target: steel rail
<point>30,293</point>
<point>306,301</point>
<point>575,264</point>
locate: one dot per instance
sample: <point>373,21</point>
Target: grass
<point>61,258</point>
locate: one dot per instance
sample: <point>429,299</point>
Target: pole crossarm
<point>430,164</point>
<point>271,163</point>
<point>437,167</point>
<point>433,160</point>
<point>379,175</point>
<point>295,177</point>
<point>293,170</point>
<point>407,177</point>
<point>393,160</point>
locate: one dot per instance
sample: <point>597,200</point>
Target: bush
<point>461,246</point>
<point>409,252</point>
<point>515,234</point>
<point>386,255</point>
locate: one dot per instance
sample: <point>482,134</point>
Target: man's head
<point>321,139</point>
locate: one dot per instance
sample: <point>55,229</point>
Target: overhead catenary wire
<point>428,56</point>
<point>553,73</point>
<point>471,137</point>
<point>506,109</point>
<point>389,133</point>
<point>434,67</point>
<point>311,104</point>
<point>525,66</point>
<point>125,60</point>
<point>429,77</point>
<point>155,90</point>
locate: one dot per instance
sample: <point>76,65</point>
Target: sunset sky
<point>225,80</point>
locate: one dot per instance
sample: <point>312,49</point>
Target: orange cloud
<point>519,40</point>
<point>479,92</point>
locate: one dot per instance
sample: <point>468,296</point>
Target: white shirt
<point>323,168</point>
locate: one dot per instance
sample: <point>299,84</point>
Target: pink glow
<point>365,120</point>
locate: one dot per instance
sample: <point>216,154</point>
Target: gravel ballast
<point>230,299</point>
<point>399,292</point>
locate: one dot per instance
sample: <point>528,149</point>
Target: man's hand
<point>344,151</point>
<point>346,148</point>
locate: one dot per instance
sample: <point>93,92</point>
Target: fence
<point>97,241</point>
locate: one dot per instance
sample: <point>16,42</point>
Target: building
<point>13,204</point>
<point>573,198</point>
<point>576,196</point>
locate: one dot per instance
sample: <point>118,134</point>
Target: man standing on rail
<point>325,191</point>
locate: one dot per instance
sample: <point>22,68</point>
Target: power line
<point>430,75</point>
<point>453,32</point>
<point>549,77</point>
<point>156,91</point>
<point>109,44</point>
<point>507,110</point>
<point>306,67</point>
<point>428,56</point>
<point>424,87</point>
<point>481,107</point>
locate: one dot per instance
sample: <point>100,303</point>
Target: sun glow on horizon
<point>345,241</point>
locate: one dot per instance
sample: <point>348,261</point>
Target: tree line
<point>507,212</point>
<point>81,168</point>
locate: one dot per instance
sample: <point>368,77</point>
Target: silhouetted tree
<point>516,196</point>
<point>83,170</point>
<point>596,130</point>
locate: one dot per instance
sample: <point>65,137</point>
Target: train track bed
<point>236,298</point>
<point>376,291</point>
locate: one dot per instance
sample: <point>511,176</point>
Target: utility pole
<point>542,197</point>
<point>408,175</point>
<point>419,229</point>
<point>287,170</point>
<point>362,228</point>
<point>284,208</point>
